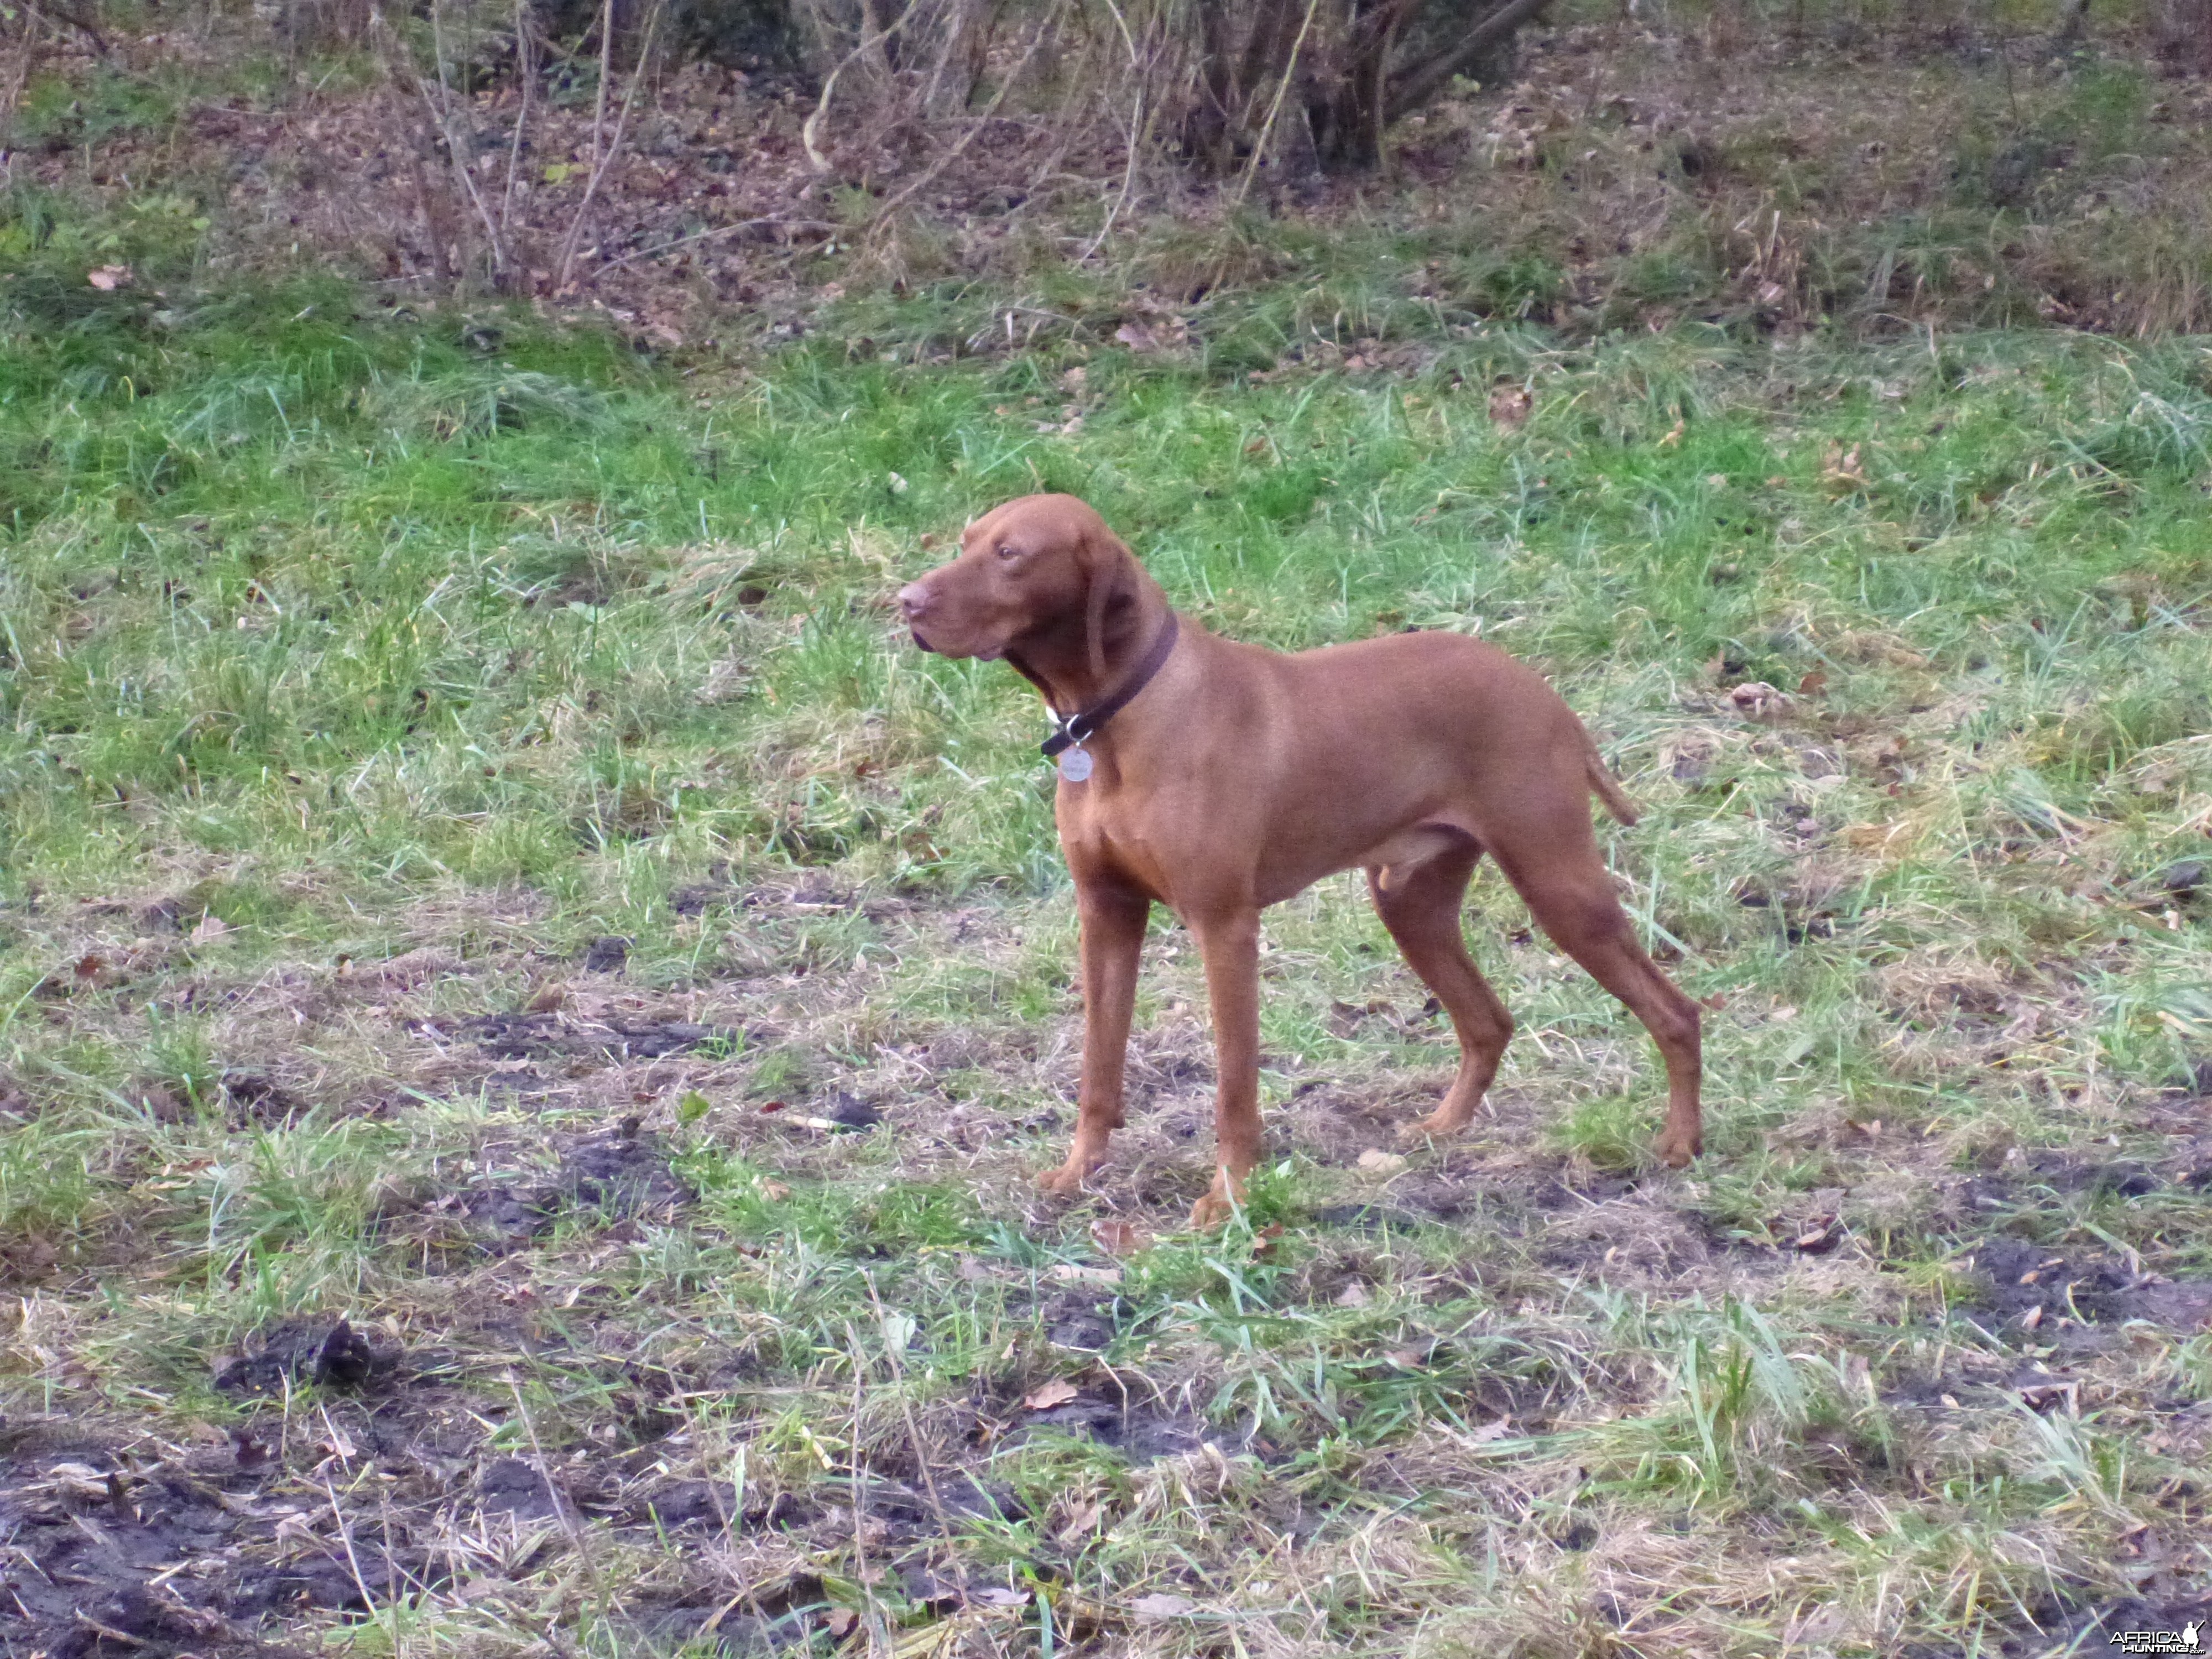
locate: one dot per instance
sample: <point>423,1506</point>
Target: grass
<point>367,671</point>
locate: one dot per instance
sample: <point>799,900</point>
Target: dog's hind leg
<point>1420,905</point>
<point>1553,861</point>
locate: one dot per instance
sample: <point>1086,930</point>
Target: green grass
<point>363,667</point>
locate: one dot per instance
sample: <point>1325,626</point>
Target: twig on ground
<point>906,1410</point>
<point>561,1508</point>
<point>741,226</point>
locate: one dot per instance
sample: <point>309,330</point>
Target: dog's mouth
<point>980,653</point>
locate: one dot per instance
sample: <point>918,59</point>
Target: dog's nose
<point>913,599</point>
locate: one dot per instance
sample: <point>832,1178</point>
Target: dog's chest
<point>1116,832</point>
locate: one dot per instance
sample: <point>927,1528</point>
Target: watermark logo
<point>2190,1638</point>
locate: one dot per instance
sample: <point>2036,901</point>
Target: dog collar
<point>1073,731</point>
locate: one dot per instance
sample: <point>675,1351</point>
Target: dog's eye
<point>1007,551</point>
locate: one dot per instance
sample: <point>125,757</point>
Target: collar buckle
<point>1074,730</point>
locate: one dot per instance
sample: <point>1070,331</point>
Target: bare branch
<point>600,164</point>
<point>1274,109</point>
<point>63,14</point>
<point>953,151</point>
<point>808,133</point>
<point>1420,85</point>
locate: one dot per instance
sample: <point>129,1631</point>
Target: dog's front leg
<point>1230,942</point>
<point>1112,925</point>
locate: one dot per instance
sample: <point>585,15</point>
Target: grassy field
<point>480,865</point>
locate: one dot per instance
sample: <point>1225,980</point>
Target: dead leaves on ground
<point>1119,1238</point>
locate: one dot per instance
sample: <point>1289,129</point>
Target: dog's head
<point>1035,569</point>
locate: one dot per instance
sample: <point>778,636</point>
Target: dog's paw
<point>1676,1152</point>
<point>1435,1127</point>
<point>1210,1212</point>
<point>1219,1203</point>
<point>1065,1181</point>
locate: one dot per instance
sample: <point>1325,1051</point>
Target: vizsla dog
<point>1219,778</point>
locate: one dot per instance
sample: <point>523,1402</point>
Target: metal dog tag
<point>1074,765</point>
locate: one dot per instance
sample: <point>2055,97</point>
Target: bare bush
<point>1347,69</point>
<point>1224,84</point>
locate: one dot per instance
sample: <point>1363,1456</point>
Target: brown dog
<point>1219,778</point>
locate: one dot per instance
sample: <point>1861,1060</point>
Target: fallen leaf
<point>1160,1605</point>
<point>2032,1318</point>
<point>841,1622</point>
<point>89,966</point>
<point>210,926</point>
<point>108,278</point>
<point>1264,1243</point>
<point>1865,836</point>
<point>1376,1161</point>
<point>1673,435</point>
<point>407,970</point>
<point>2041,1397</point>
<point>1483,1434</point>
<point>1405,1359</point>
<point>546,1000</point>
<point>774,1191</point>
<point>1509,405</point>
<point>1058,1392</point>
<point>1757,700</point>
<point>1353,1294</point>
<point>1120,1238</point>
<point>692,1106</point>
<point>768,1106</point>
<point>1069,1273</point>
<point>1812,684</point>
<point>1844,472</point>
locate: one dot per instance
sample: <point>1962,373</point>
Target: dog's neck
<point>1056,655</point>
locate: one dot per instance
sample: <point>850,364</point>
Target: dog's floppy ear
<point>1107,563</point>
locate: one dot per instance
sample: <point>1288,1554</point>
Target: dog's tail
<point>1607,789</point>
